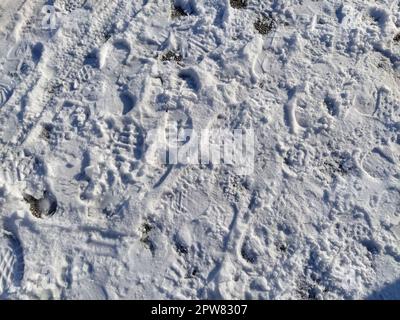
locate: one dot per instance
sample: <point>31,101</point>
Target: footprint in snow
<point>11,262</point>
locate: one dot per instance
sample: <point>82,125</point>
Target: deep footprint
<point>43,207</point>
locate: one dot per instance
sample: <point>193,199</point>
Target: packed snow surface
<point>88,210</point>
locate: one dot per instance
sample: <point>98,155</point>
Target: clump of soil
<point>238,4</point>
<point>43,207</point>
<point>145,238</point>
<point>396,38</point>
<point>265,24</point>
<point>171,55</point>
<point>177,11</point>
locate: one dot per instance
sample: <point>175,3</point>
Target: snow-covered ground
<point>88,209</point>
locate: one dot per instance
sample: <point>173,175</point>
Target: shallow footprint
<point>6,92</point>
<point>378,165</point>
<point>11,262</point>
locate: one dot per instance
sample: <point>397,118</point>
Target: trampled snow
<point>113,118</point>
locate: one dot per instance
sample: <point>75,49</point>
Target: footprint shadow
<point>390,291</point>
<point>128,102</point>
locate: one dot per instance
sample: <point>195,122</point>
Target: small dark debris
<point>178,12</point>
<point>44,207</point>
<point>46,132</point>
<point>307,291</point>
<point>14,75</point>
<point>108,212</point>
<point>238,4</point>
<point>107,33</point>
<point>25,68</point>
<point>192,272</point>
<point>332,106</point>
<point>180,247</point>
<point>34,207</point>
<point>248,253</point>
<point>265,24</point>
<point>55,87</point>
<point>171,55</point>
<point>146,229</point>
<point>397,38</point>
<point>282,248</point>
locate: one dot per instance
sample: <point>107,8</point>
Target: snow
<point>90,210</point>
